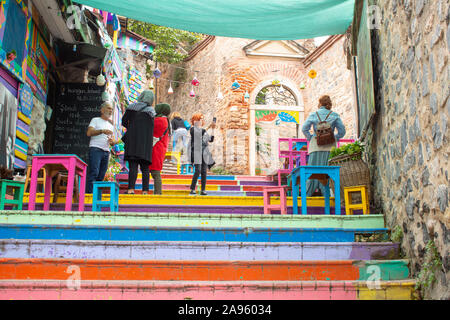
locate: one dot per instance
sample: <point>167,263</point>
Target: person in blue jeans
<point>100,130</point>
<point>318,155</point>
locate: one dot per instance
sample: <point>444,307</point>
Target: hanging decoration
<point>312,73</point>
<point>100,81</point>
<point>219,95</point>
<point>105,96</point>
<point>281,89</point>
<point>170,91</point>
<point>246,96</point>
<point>302,86</point>
<point>151,87</point>
<point>276,82</point>
<point>235,85</point>
<point>192,93</point>
<point>195,81</point>
<point>157,73</point>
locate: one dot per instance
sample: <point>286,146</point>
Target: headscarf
<point>146,96</point>
<point>163,110</point>
<point>144,104</point>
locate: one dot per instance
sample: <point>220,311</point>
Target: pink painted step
<point>198,290</point>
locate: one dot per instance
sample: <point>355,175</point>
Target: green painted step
<point>144,219</point>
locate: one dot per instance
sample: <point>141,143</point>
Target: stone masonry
<point>409,140</point>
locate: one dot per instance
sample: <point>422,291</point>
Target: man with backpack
<point>324,122</point>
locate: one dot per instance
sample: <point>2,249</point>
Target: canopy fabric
<point>252,19</point>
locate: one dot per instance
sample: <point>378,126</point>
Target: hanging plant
<point>246,96</point>
<point>302,86</point>
<point>276,82</point>
<point>151,87</point>
<point>170,91</point>
<point>192,93</point>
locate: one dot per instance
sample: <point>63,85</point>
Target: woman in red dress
<point>161,133</point>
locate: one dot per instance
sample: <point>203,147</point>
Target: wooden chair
<point>61,186</point>
<point>40,180</point>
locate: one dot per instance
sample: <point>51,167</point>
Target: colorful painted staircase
<point>197,247</point>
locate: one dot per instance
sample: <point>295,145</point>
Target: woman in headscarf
<point>138,120</point>
<point>161,133</point>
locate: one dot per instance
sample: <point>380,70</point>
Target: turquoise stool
<point>18,187</point>
<point>187,168</point>
<point>113,202</point>
<point>316,172</point>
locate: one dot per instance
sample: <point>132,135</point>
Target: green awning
<point>252,19</point>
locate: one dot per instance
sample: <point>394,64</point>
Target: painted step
<point>124,177</point>
<point>195,200</point>
<point>209,187</point>
<point>157,208</point>
<point>159,233</point>
<point>149,208</point>
<point>206,290</point>
<point>151,219</point>
<point>56,269</point>
<point>197,250</point>
<point>210,193</point>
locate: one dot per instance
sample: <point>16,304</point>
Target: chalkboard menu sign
<point>76,105</point>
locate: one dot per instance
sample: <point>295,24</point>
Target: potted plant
<point>11,55</point>
<point>354,171</point>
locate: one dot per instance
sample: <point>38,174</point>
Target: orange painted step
<point>58,269</point>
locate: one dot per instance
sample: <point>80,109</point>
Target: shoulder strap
<point>318,116</point>
<point>328,115</point>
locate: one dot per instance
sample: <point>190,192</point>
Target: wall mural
<point>366,99</point>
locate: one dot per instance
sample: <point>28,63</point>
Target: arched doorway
<point>276,111</point>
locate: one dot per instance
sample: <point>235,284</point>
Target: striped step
<point>210,193</point>
<point>187,187</point>
<point>149,208</point>
<point>126,199</point>
<point>197,250</point>
<point>124,177</point>
<point>206,290</point>
<point>150,219</point>
<point>56,269</point>
<point>160,233</point>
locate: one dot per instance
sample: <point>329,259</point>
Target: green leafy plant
<point>355,149</point>
<point>217,170</point>
<point>397,234</point>
<point>172,45</point>
<point>432,263</point>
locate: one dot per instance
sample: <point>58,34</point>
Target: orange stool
<point>281,191</point>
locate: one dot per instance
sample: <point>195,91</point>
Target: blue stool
<point>316,172</point>
<point>113,202</point>
<point>187,168</point>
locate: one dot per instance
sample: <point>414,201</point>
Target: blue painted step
<point>127,233</point>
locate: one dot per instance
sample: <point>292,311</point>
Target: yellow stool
<point>176,155</point>
<point>364,205</point>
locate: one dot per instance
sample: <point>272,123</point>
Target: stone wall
<point>334,79</point>
<point>409,142</point>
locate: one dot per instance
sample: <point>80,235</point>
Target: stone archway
<point>255,107</point>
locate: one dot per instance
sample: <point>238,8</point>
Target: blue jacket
<point>334,120</point>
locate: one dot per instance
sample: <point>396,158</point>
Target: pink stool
<point>267,191</point>
<point>53,163</point>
